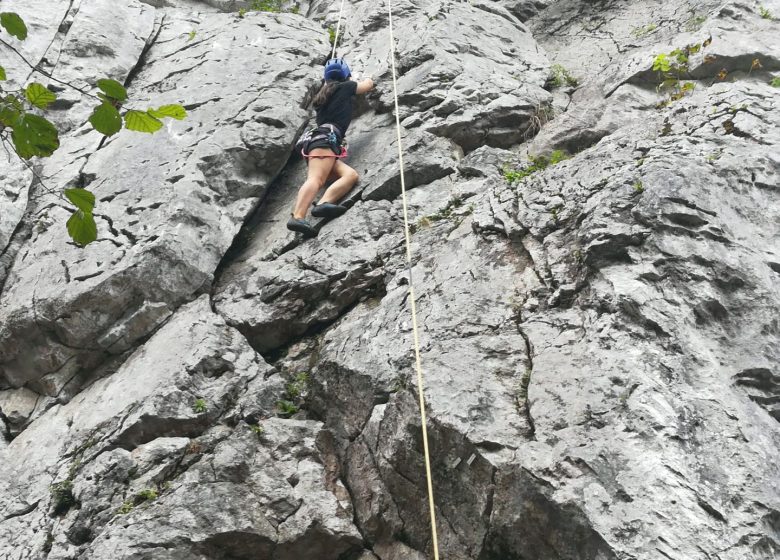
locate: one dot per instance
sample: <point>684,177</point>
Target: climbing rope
<point>418,365</point>
<point>338,28</point>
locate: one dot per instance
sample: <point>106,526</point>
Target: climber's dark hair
<point>322,96</point>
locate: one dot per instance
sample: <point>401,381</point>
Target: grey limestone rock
<point>599,336</point>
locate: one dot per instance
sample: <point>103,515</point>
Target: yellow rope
<point>420,390</point>
<point>338,27</point>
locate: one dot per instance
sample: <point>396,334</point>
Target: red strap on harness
<point>343,154</point>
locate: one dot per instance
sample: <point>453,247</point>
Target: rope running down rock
<point>418,365</point>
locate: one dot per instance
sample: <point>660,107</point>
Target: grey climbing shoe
<point>301,226</point>
<point>328,210</point>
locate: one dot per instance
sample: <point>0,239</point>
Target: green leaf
<point>82,227</point>
<point>106,119</point>
<point>173,111</point>
<point>82,199</point>
<point>113,89</point>
<point>34,136</point>
<point>14,25</point>
<point>141,121</point>
<point>39,96</point>
<point>662,63</point>
<point>8,115</point>
<point>2,74</point>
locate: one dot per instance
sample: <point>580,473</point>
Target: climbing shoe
<point>327,210</point>
<point>301,226</point>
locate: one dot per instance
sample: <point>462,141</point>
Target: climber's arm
<point>365,85</point>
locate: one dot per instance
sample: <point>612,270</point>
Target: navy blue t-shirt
<point>338,109</point>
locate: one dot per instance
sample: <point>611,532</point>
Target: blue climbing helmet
<point>337,69</point>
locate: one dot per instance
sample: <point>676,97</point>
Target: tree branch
<point>47,74</point>
<point>46,188</point>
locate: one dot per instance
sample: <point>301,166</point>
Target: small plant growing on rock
<point>146,495</point>
<point>443,214</point>
<point>298,386</point>
<point>286,408</point>
<point>62,496</point>
<point>266,6</point>
<point>257,429</point>
<point>639,188</point>
<point>643,31</point>
<point>294,394</point>
<point>199,406</point>
<point>775,82</point>
<point>125,508</point>
<point>401,383</point>
<point>332,36</point>
<point>695,23</point>
<point>538,163</point>
<point>671,68</point>
<point>764,12</point>
<point>561,77</point>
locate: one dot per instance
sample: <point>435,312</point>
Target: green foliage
<point>401,383</point>
<point>199,406</point>
<point>639,32</point>
<point>257,429</point>
<point>62,496</point>
<point>106,119</point>
<point>538,163</point>
<point>146,495</point>
<point>81,225</point>
<point>125,508</point>
<point>639,187</point>
<point>33,135</point>
<point>775,82</point>
<point>522,389</point>
<point>142,121</point>
<point>39,96</point>
<point>113,89</point>
<point>82,228</point>
<point>172,111</point>
<point>191,35</point>
<point>266,5</point>
<point>332,36</point>
<point>672,67</point>
<point>764,12</point>
<point>294,395</point>
<point>443,214</point>
<point>286,408</point>
<point>14,25</point>
<point>271,6</point>
<point>695,23</point>
<point>298,386</point>
<point>561,77</point>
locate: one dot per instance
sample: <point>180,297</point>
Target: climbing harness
<point>418,364</point>
<point>327,132</point>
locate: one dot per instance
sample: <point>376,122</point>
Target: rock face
<point>600,335</point>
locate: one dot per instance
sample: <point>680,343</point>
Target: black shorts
<point>323,143</point>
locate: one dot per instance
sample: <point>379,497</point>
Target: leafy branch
<point>29,135</point>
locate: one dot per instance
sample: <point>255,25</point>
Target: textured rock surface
<point>600,338</point>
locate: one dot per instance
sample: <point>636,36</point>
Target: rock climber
<point>322,147</point>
